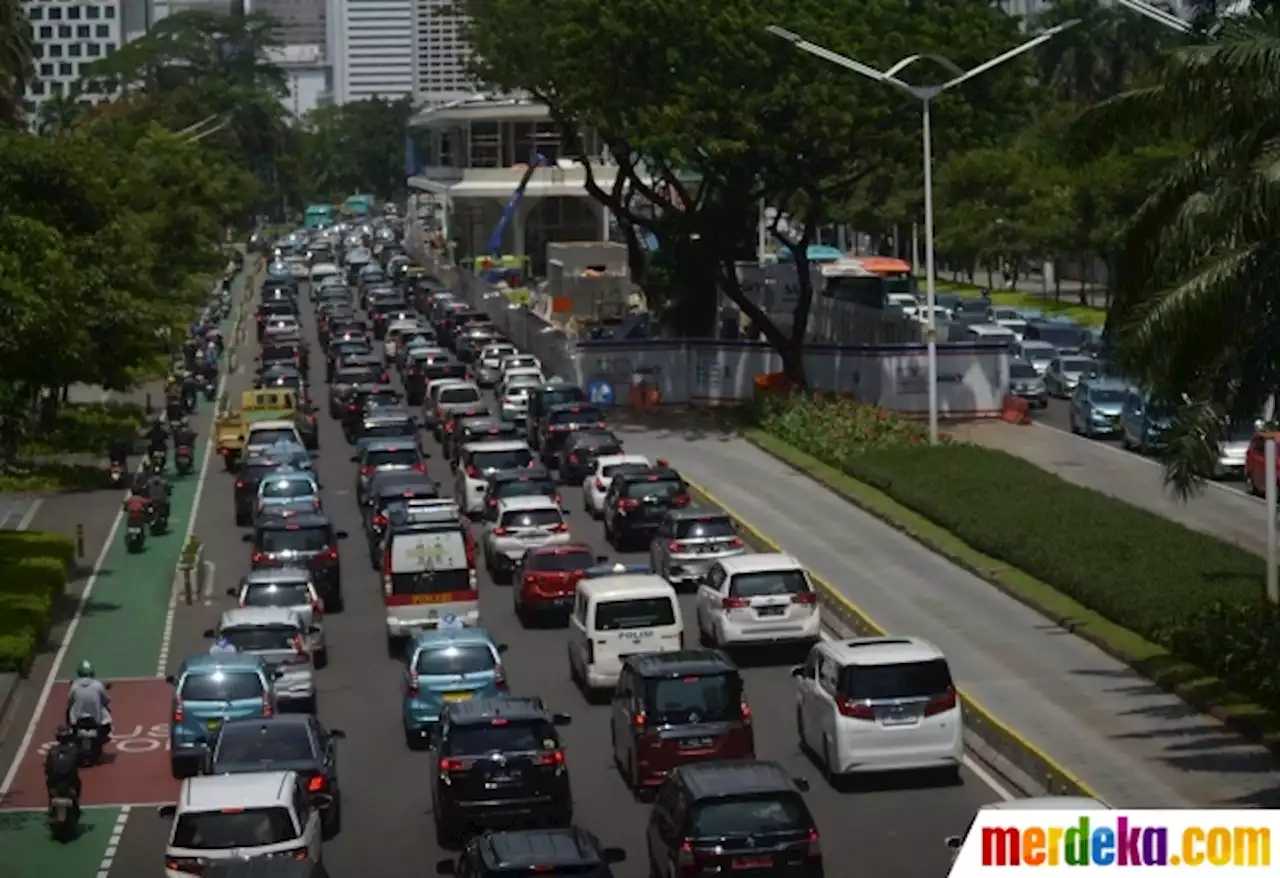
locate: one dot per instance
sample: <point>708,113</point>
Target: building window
<point>73,13</point>
<point>92,12</point>
<point>110,11</point>
<point>74,50</point>
<point>89,87</point>
<point>55,51</point>
<point>46,70</point>
<point>486,143</point>
<point>102,30</point>
<point>35,13</point>
<point>56,87</point>
<point>109,48</point>
<point>64,31</point>
<point>55,13</point>
<point>65,69</point>
<point>82,69</point>
<point>82,31</point>
<point>46,32</point>
<point>93,50</point>
<point>37,87</point>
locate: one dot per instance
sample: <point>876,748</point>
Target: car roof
<point>713,780</point>
<point>639,475</point>
<point>681,663</point>
<point>870,651</point>
<point>496,445</point>
<point>620,584</point>
<point>620,459</point>
<point>529,501</point>
<point>758,562</point>
<point>208,664</point>
<point>399,487</point>
<point>389,413</point>
<point>387,443</point>
<point>276,575</point>
<point>439,638</point>
<point>1106,384</point>
<point>258,789</point>
<point>602,435</point>
<point>483,710</point>
<point>246,617</point>
<point>562,549</point>
<point>286,473</point>
<point>576,404</point>
<point>527,473</point>
<point>295,522</point>
<point>275,424</point>
<point>539,848</point>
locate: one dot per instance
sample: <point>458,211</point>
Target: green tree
<point>355,147</point>
<point>16,68</point>
<point>59,113</point>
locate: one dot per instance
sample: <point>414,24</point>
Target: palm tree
<point>16,67</point>
<point>59,113</point>
<point>1195,317</point>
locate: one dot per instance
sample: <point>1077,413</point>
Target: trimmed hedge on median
<point>33,576</point>
<point>1199,597</point>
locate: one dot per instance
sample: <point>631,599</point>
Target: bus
<point>319,216</point>
<point>867,280</point>
<point>359,205</point>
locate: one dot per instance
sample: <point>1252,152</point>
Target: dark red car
<point>676,708</point>
<point>544,580</point>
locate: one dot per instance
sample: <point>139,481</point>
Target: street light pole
<point>925,94</point>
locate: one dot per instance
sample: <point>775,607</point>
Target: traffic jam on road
<point>461,627</point>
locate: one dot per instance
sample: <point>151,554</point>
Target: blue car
<point>208,690</point>
<point>446,665</point>
<point>1144,423</point>
<point>1096,407</point>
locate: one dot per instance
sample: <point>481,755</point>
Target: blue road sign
<point>600,392</point>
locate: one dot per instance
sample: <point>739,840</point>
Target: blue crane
<point>536,161</point>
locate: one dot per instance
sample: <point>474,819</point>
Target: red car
<point>545,578</point>
<point>1255,464</point>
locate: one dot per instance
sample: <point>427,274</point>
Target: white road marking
<point>31,513</point>
<point>113,843</point>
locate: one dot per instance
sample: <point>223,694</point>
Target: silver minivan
<point>279,637</point>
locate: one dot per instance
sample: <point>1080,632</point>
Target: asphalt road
<point>893,827</point>
<point>1055,415</point>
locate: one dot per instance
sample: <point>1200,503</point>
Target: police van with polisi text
<point>428,569</point>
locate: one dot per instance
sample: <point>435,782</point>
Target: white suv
<point>518,525</point>
<point>237,816</point>
<point>877,704</point>
<point>760,598</point>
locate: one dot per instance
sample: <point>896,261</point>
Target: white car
<point>518,525</point>
<point>878,704</point>
<point>490,360</point>
<point>518,376</point>
<point>518,361</point>
<point>264,434</point>
<point>477,461</point>
<point>513,403</point>
<point>299,267</point>
<point>596,485</point>
<point>290,588</point>
<point>280,637</point>
<point>431,401</point>
<point>236,816</point>
<point>322,271</point>
<point>757,598</point>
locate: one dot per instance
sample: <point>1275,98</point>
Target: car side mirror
<point>502,647</point>
<point>446,867</point>
<point>801,784</point>
<point>954,842</point>
<point>167,811</point>
<point>246,538</point>
<point>171,679</point>
<point>797,671</point>
<point>614,855</point>
<point>314,629</point>
<point>602,559</point>
<point>278,673</point>
<point>210,633</point>
<point>338,734</point>
<point>355,458</point>
<point>231,592</point>
<point>561,719</point>
<point>342,535</point>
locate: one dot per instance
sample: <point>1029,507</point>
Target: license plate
<point>457,696</point>
<point>898,717</point>
<point>500,779</point>
<point>213,724</point>
<point>771,611</point>
<point>429,598</point>
<point>752,862</point>
<point>696,743</point>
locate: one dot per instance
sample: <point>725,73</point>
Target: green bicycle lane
<point>121,630</point>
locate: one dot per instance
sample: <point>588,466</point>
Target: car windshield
<point>497,353</point>
<point>294,539</point>
<point>459,395</point>
<point>532,518</point>
<point>907,680</point>
<point>490,461</point>
<point>704,528</point>
<point>391,457</point>
<point>1022,370</point>
<point>382,397</point>
<point>525,488</point>
<point>738,816</point>
<point>655,487</point>
<point>259,742</point>
<point>560,562</point>
<point>634,613</point>
<point>270,436</point>
<point>581,415</point>
<point>474,739</point>
<point>254,638</point>
<point>766,583</point>
<point>1107,396</point>
<point>1078,365</point>
<point>389,429</point>
<point>222,686</point>
<point>448,660</point>
<point>695,698</point>
<point>278,594</point>
<point>614,468</point>
<point>284,488</point>
<point>234,828</point>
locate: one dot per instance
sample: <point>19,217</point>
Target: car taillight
<point>317,606</point>
<point>366,470</point>
<point>681,499</point>
<point>560,528</point>
<point>472,471</point>
<point>500,677</point>
<point>419,467</point>
<point>640,720</point>
<point>687,859</point>
<point>300,656</point>
<point>257,557</point>
<point>557,498</point>
<point>553,758</point>
<point>746,713</point>
<point>854,711</point>
<point>813,855</point>
<point>448,765</point>
<point>315,503</point>
<point>384,379</point>
<point>674,546</point>
<point>599,484</point>
<point>182,864</point>
<point>500,531</point>
<point>240,483</point>
<point>941,704</point>
<point>573,458</point>
<point>628,503</point>
<point>805,597</point>
<point>317,784</point>
<point>177,711</point>
<point>266,705</point>
<point>379,521</point>
<point>736,542</point>
<point>735,603</point>
<point>353,407</point>
<point>330,554</point>
<point>413,683</point>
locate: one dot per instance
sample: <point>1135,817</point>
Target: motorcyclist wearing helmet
<point>137,505</point>
<point>183,434</point>
<point>189,391</point>
<point>158,490</point>
<point>120,450</point>
<point>62,765</point>
<point>223,646</point>
<point>87,699</point>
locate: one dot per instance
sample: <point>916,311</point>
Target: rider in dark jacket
<point>184,435</point>
<point>62,764</point>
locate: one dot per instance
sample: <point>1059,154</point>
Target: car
<point>637,503</point>
<point>1038,353</point>
<point>1065,372</point>
<point>299,743</point>
<point>390,422</point>
<point>477,461</point>
<point>285,492</point>
<point>308,541</point>
<point>1144,422</point>
<point>513,404</point>
<point>596,485</point>
<point>1025,381</point>
<point>446,666</point>
<point>520,524</point>
<point>238,816</point>
<point>207,691</point>
<point>545,579</point>
<point>500,759</point>
<point>289,588</point>
<point>482,428</point>
<point>468,343</point>
<point>563,420</point>
<point>363,401</point>
<point>279,636</point>
<point>451,417</point>
<point>578,455</point>
<point>255,468</point>
<point>262,435</point>
<point>345,380</point>
<point>542,398</point>
<point>879,704</point>
<point>761,598</point>
<point>690,540</point>
<point>489,361</point>
<point>1096,407</point>
<point>744,817</point>
<point>531,481</point>
<point>390,488</point>
<point>464,394</point>
<point>551,851</point>
<point>381,455</point>
<point>677,708</point>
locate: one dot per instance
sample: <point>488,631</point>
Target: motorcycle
<point>182,459</point>
<point>135,537</point>
<point>89,742</point>
<point>210,389</point>
<point>115,472</point>
<point>157,461</point>
<point>64,812</point>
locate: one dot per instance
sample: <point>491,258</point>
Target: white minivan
<point>619,612</point>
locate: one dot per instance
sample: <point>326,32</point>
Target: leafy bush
<point>1193,594</point>
<point>29,476</point>
<point>33,575</point>
<point>88,428</point>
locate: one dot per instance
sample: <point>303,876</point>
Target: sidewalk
<point>1138,746</point>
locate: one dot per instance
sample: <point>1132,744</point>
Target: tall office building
<point>371,49</point>
<point>440,54</point>
<point>68,35</point>
<point>302,22</point>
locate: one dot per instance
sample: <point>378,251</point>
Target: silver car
<point>1038,353</point>
<point>491,357</point>
<point>288,588</point>
<point>689,541</point>
<point>514,403</point>
<point>1065,372</point>
<point>518,525</point>
<point>279,637</point>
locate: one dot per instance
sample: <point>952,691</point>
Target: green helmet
<point>85,669</point>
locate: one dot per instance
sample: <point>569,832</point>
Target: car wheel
<point>446,833</point>
<point>333,825</point>
<point>322,659</point>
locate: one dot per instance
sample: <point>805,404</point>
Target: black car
<point>637,503</point>
<point>736,817</point>
<point>561,421</point>
<point>284,742</point>
<point>372,362</point>
<point>580,452</point>
<point>524,482</point>
<point>292,354</point>
<point>343,382</point>
<point>358,407</point>
<point>500,759</point>
<point>387,489</point>
<point>339,347</point>
<point>542,399</point>
<point>569,851</point>
<point>302,541</point>
<point>480,428</point>
<point>251,474</point>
